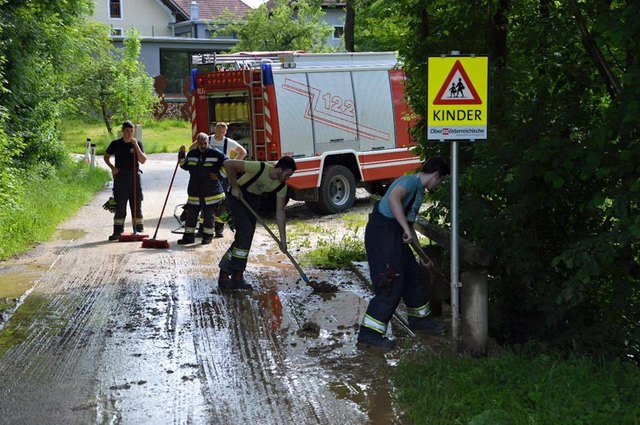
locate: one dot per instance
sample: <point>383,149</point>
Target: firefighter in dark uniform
<point>205,189</point>
<point>393,268</point>
<point>124,172</point>
<point>258,178</point>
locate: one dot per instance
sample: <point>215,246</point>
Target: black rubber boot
<point>426,325</point>
<point>238,282</point>
<point>224,280</point>
<point>372,339</point>
<point>200,232</point>
<point>206,240</point>
<point>139,228</point>
<point>219,228</point>
<point>117,230</point>
<point>187,238</point>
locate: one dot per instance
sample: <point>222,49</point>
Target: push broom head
<point>155,243</point>
<point>132,237</point>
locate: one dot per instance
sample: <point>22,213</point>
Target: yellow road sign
<point>457,98</point>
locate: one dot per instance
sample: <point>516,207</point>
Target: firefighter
<point>205,189</point>
<point>258,178</point>
<point>394,271</point>
<point>233,150</point>
<point>125,149</point>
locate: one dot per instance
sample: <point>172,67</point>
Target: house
<point>173,30</point>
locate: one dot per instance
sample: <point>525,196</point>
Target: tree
<point>289,25</point>
<point>553,193</point>
<point>106,81</point>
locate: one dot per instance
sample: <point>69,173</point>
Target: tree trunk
<point>613,85</point>
<point>349,27</point>
<point>499,32</point>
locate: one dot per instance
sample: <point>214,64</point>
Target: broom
<point>135,236</point>
<point>161,243</point>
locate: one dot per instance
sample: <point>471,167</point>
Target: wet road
<point>111,333</point>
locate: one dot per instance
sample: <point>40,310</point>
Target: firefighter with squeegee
<point>205,188</point>
<point>126,176</point>
<point>258,178</point>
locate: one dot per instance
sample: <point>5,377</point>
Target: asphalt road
<point>111,333</point>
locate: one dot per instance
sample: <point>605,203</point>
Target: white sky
<point>253,3</point>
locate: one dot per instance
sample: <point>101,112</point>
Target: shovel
<point>162,243</point>
<point>304,277</point>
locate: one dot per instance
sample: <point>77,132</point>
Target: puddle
<point>69,234</point>
<point>14,286</point>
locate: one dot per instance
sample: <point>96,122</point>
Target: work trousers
<point>235,259</point>
<point>394,272</point>
<point>192,211</point>
<point>123,194</point>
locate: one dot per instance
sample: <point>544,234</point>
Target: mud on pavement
<point>111,333</point>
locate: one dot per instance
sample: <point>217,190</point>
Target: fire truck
<point>343,117</point>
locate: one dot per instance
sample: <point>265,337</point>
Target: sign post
<point>456,111</point>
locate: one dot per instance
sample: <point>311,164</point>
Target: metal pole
<point>93,156</point>
<point>455,269</point>
<point>87,151</point>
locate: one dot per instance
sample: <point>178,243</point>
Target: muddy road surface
<point>112,333</point>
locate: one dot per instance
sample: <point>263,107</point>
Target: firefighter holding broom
<point>394,271</point>
<point>129,153</point>
<point>205,188</point>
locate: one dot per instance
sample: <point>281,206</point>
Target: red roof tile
<point>210,9</point>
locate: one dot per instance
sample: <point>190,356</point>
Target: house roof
<point>211,9</point>
<point>326,3</point>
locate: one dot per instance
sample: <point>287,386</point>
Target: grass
<point>514,389</point>
<point>47,198</point>
<point>157,136</point>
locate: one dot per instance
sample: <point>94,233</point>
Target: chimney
<point>194,11</point>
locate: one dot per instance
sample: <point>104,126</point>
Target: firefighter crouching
<point>258,178</point>
<point>205,189</point>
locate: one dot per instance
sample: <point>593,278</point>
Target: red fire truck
<point>341,116</point>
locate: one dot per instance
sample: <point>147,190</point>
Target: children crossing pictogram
<point>457,89</point>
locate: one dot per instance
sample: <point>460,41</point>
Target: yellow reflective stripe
<point>422,311</point>
<point>192,163</point>
<point>139,221</point>
<point>207,231</point>
<point>182,161</point>
<point>214,199</point>
<point>189,229</point>
<point>118,221</point>
<point>376,325</point>
<point>240,253</point>
<point>218,220</point>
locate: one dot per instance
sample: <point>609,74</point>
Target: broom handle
<point>135,201</point>
<point>275,238</point>
<point>166,199</point>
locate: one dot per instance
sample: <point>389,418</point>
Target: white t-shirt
<point>232,146</point>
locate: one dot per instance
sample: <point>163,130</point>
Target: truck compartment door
<point>374,110</point>
<point>294,114</point>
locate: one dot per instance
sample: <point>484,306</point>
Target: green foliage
<point>511,389</point>
<point>46,196</point>
<point>289,25</point>
<point>553,194</point>
<point>108,82</point>
<point>158,136</point>
<point>337,253</point>
<point>380,26</point>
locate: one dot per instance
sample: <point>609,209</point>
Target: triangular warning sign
<point>457,89</point>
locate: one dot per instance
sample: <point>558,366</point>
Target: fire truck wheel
<point>337,190</point>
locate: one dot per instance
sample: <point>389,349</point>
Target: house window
<point>116,32</point>
<point>115,9</point>
<point>338,32</point>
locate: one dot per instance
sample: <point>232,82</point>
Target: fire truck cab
<point>342,116</point>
